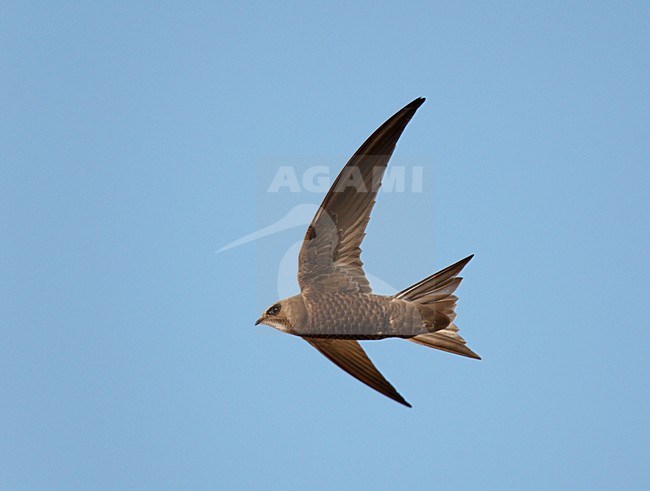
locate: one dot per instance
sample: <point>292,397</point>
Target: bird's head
<point>285,315</point>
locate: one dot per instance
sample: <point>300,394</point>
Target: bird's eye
<point>274,310</point>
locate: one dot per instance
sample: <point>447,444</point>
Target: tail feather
<point>446,340</point>
<point>441,284</point>
<point>434,296</point>
<point>436,302</point>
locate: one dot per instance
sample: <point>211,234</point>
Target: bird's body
<point>356,316</point>
<point>336,307</point>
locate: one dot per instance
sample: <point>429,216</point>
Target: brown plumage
<point>336,306</point>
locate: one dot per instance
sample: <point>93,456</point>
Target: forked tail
<point>436,301</point>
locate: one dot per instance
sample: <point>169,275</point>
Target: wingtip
<point>416,103</point>
<point>402,401</point>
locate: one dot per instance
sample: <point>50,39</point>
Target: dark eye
<point>273,310</point>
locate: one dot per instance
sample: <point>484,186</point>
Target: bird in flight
<point>336,308</point>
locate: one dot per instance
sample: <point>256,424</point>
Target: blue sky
<point>139,138</point>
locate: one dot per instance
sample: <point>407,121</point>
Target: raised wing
<point>329,259</point>
<point>349,355</point>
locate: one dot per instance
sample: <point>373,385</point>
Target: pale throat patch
<point>276,324</point>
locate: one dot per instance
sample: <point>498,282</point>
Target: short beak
<point>258,321</point>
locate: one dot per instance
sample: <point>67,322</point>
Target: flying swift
<point>336,308</point>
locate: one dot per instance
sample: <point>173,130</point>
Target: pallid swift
<point>336,307</point>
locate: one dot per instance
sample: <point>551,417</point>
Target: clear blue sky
<point>137,139</point>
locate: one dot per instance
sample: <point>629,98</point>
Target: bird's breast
<point>352,316</point>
